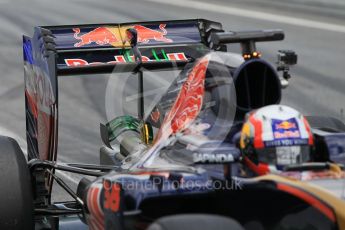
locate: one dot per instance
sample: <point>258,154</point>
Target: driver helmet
<point>273,137</point>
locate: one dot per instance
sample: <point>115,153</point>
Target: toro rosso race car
<point>216,152</point>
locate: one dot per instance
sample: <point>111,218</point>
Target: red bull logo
<point>285,129</point>
<point>287,134</point>
<point>118,59</point>
<point>286,125</point>
<point>100,36</point>
<point>146,34</point>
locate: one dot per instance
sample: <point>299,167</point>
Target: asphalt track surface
<point>315,30</point>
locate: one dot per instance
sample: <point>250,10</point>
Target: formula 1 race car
<point>178,166</point>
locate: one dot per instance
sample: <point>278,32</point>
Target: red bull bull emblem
<point>286,125</point>
<point>146,34</point>
<point>285,129</point>
<point>100,36</point>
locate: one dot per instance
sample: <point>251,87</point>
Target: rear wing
<point>98,48</point>
<point>101,48</point>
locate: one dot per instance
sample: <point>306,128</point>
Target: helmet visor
<point>284,155</point>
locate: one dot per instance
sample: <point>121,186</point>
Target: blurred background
<point>315,29</point>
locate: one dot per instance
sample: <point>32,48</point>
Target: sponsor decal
<point>285,133</point>
<point>146,34</point>
<point>111,196</point>
<point>285,129</point>
<point>101,36</point>
<point>286,142</point>
<point>212,158</point>
<point>120,59</point>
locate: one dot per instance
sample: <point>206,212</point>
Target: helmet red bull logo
<point>285,129</point>
<point>286,125</point>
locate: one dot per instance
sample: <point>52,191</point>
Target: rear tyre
<point>195,222</point>
<point>16,204</point>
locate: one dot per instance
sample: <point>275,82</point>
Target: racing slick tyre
<point>16,205</point>
<point>195,222</point>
